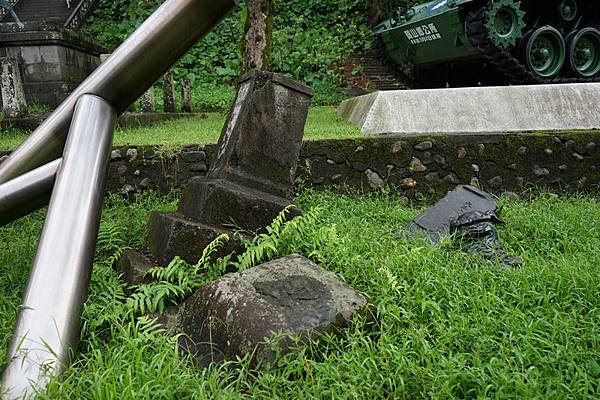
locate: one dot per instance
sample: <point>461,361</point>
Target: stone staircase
<point>366,72</point>
<point>53,11</point>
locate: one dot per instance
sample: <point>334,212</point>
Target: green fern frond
<point>179,279</point>
<point>210,250</point>
<point>110,243</point>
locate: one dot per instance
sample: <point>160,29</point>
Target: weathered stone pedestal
<point>52,58</point>
<point>251,181</point>
<point>11,87</point>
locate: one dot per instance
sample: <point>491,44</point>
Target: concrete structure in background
<point>476,110</point>
<point>11,87</point>
<point>169,105</point>
<point>53,59</point>
<point>148,101</point>
<point>186,95</point>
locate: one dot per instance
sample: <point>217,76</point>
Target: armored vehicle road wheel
<point>544,52</point>
<point>567,10</point>
<point>583,52</point>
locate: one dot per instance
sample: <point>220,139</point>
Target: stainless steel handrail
<point>27,193</point>
<point>47,327</point>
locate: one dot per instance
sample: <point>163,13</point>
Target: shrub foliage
<point>311,38</point>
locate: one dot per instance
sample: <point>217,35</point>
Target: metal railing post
<point>48,325</point>
<point>27,193</point>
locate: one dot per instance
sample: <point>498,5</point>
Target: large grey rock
<point>233,316</point>
<point>476,110</point>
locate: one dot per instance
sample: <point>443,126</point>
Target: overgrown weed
<point>448,325</point>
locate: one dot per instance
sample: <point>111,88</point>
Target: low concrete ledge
<point>479,110</point>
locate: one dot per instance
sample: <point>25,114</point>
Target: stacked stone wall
<point>419,166</point>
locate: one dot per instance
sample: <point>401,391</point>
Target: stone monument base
<point>251,179</point>
<point>252,209</point>
<point>477,110</point>
<point>172,234</point>
<point>53,59</point>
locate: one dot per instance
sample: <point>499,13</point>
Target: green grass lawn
<point>322,123</point>
<point>449,325</point>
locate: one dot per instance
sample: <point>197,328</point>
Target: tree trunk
<point>257,40</point>
<point>380,10</point>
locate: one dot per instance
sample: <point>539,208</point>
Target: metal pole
<point>143,58</point>
<point>48,324</point>
<point>27,193</point>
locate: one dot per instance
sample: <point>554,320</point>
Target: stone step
<point>43,10</point>
<point>367,72</point>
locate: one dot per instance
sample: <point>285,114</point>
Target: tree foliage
<point>311,38</point>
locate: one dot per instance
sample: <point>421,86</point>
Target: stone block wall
<point>431,166</point>
<point>420,166</point>
<point>53,60</point>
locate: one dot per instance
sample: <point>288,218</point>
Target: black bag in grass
<point>475,230</point>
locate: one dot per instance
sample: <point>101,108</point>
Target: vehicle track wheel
<point>583,52</point>
<point>544,52</point>
<point>505,23</point>
<point>567,10</point>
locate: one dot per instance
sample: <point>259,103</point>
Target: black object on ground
<point>476,232</point>
<point>470,214</point>
<point>436,221</point>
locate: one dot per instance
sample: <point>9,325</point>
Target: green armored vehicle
<point>520,42</point>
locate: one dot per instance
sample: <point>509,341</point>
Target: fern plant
<point>110,243</point>
<point>179,279</point>
<point>278,240</point>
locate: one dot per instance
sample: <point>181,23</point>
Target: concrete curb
<point>476,110</point>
